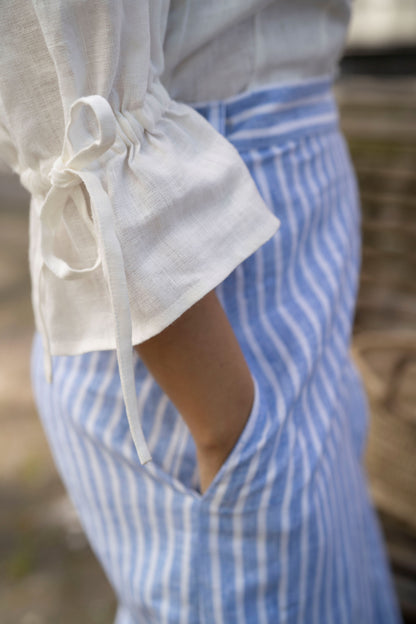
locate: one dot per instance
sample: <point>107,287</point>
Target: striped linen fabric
<point>286,532</point>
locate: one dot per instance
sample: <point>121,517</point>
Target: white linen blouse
<point>138,206</point>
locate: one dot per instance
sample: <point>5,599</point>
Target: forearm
<point>199,364</point>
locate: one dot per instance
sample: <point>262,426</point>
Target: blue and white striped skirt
<point>286,532</point>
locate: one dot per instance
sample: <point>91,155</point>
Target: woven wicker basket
<point>390,456</point>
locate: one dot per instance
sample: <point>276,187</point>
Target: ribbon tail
<point>47,358</point>
<point>113,266</point>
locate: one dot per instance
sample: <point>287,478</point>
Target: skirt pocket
<point>237,458</point>
<point>240,481</point>
<point>241,450</point>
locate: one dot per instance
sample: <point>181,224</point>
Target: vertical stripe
<point>303,601</point>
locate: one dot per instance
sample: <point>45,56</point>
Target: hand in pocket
<point>212,457</point>
<point>199,364</point>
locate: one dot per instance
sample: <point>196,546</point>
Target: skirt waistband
<point>273,114</point>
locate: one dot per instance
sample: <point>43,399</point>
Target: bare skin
<point>198,362</point>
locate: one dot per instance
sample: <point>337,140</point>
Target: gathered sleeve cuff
<point>144,208</point>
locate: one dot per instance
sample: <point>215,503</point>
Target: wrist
<point>225,426</point>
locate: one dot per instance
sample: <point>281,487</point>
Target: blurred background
<point>48,573</point>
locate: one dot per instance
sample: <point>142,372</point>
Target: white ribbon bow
<point>66,176</point>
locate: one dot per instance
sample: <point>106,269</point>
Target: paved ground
<point>48,573</point>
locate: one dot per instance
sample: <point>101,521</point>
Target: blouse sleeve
<point>139,207</point>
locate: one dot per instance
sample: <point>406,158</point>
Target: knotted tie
<point>69,171</point>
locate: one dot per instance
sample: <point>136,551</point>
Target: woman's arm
<point>198,362</point>
<point>181,210</point>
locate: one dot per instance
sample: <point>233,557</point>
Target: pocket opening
<point>229,463</point>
